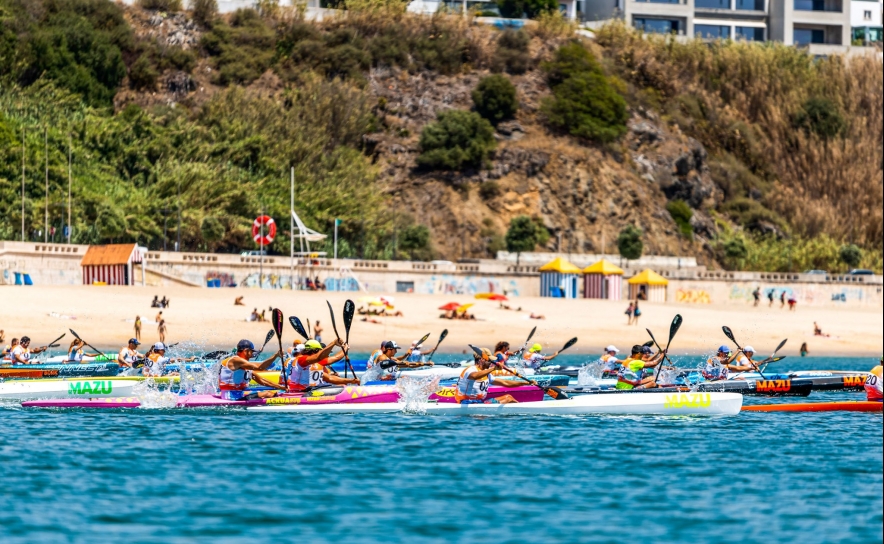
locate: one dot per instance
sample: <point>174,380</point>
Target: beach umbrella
<point>464,308</point>
<point>450,307</point>
<point>497,298</point>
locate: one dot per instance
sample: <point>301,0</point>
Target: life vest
<point>468,389</point>
<point>128,355</point>
<point>631,374</point>
<point>301,377</point>
<point>415,356</point>
<point>76,355</point>
<point>23,353</point>
<point>874,385</point>
<point>714,370</point>
<point>610,365</point>
<point>233,380</point>
<point>534,360</point>
<point>155,365</point>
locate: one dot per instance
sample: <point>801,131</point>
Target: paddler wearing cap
<point>75,351</point>
<point>388,364</point>
<point>414,354</point>
<point>310,369</point>
<point>238,371</point>
<point>472,386</point>
<point>632,373</point>
<point>717,366</point>
<point>534,359</point>
<point>128,355</point>
<point>155,362</point>
<point>6,353</point>
<point>742,360</point>
<point>21,354</point>
<point>610,363</point>
<point>874,384</point>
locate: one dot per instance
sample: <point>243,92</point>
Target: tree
<point>521,236</point>
<point>851,255</point>
<point>495,98</point>
<point>681,213</point>
<point>212,231</point>
<point>457,139</point>
<point>735,251</point>
<point>204,11</point>
<point>629,242</point>
<point>822,117</point>
<point>515,9</point>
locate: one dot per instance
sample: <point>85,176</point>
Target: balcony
<point>831,6</point>
<point>806,35</point>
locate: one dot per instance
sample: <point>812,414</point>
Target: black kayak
<point>762,388</point>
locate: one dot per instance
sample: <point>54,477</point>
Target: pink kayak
<point>338,395</point>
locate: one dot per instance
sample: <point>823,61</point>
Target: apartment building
<point>792,22</point>
<point>865,20</point>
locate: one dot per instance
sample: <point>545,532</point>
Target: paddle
<point>774,354</point>
<point>338,336</point>
<point>567,345</point>
<point>730,334</point>
<point>525,345</point>
<point>673,329</point>
<point>553,392</point>
<point>441,337</point>
<point>309,330</point>
<point>277,329</point>
<point>88,344</point>
<point>267,338</point>
<point>299,327</point>
<point>53,343</point>
<point>349,311</point>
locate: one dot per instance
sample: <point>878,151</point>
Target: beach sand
<point>208,318</point>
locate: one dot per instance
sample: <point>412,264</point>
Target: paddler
<point>875,384</point>
<point>534,359</point>
<point>388,363</point>
<point>414,354</point>
<point>311,369</point>
<point>21,354</point>
<point>742,360</point>
<point>129,354</point>
<point>610,363</point>
<point>632,373</point>
<point>155,362</point>
<point>75,351</point>
<point>237,372</point>
<point>6,354</point>
<point>472,386</point>
<point>716,368</point>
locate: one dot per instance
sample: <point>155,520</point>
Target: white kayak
<point>67,388</point>
<point>693,404</point>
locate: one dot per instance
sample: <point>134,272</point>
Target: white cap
<point>159,346</point>
<point>414,344</point>
<point>748,349</point>
<point>612,348</point>
<point>299,348</point>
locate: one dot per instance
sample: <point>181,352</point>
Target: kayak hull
<point>73,370</point>
<point>69,388</point>
<point>792,388</point>
<point>844,406</point>
<point>694,404</point>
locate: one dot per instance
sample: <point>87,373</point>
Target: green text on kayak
<point>90,388</point>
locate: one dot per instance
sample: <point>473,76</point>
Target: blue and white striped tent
<point>559,279</point>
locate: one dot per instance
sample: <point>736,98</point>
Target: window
<point>713,4</point>
<point>867,15</point>
<point>657,26</point>
<point>749,33</point>
<point>750,5</point>
<point>405,287</point>
<point>661,1</point>
<point>804,36</point>
<point>712,32</point>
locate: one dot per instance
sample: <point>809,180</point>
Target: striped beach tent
<point>110,264</point>
<point>559,279</point>
<point>648,285</point>
<point>603,280</point>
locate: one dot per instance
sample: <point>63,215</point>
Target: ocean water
<point>226,476</point>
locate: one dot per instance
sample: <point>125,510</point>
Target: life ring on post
<point>269,230</point>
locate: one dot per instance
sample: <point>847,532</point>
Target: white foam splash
<point>151,396</point>
<point>415,392</point>
<point>590,374</point>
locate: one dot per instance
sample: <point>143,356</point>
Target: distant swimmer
<point>21,354</point>
<point>75,351</point>
<point>129,355</point>
<point>874,383</point>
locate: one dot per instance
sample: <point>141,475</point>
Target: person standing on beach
<point>161,330</point>
<point>159,317</point>
<point>803,349</point>
<point>629,310</point>
<point>756,295</point>
<point>138,327</point>
<point>770,297</point>
<point>636,313</point>
<point>782,299</point>
<point>317,332</point>
<point>792,302</point>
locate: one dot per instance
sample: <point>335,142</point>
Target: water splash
<point>373,374</point>
<point>151,396</point>
<point>415,392</point>
<point>590,374</point>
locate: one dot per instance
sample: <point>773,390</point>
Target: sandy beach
<point>104,317</point>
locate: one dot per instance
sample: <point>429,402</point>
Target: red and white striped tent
<point>602,280</point>
<point>110,265</point>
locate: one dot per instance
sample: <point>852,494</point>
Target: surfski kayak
<point>694,404</point>
<point>771,388</point>
<point>69,388</point>
<point>843,406</point>
<point>73,370</point>
<point>331,395</point>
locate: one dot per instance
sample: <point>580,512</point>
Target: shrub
<point>204,11</point>
<point>521,235</point>
<point>512,54</point>
<point>161,5</point>
<point>415,237</point>
<point>851,255</point>
<point>515,9</point>
<point>735,251</point>
<point>584,103</point>
<point>753,215</point>
<point>629,242</point>
<point>457,139</point>
<point>681,213</point>
<point>142,74</point>
<point>489,190</point>
<point>212,231</point>
<point>495,98</point>
<point>822,117</point>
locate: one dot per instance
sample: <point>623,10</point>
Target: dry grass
<point>742,99</point>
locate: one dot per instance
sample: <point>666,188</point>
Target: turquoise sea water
<point>188,476</point>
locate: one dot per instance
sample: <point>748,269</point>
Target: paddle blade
<point>423,339</point>
<point>75,334</point>
<point>478,351</point>
<point>332,314</point>
<point>349,312</point>
<point>676,324</point>
<point>277,322</point>
<point>653,340</point>
<point>299,327</point>
<point>776,359</point>
<point>309,330</point>
<point>783,343</point>
<point>557,393</point>
<point>568,344</point>
<point>531,335</point>
<point>729,333</point>
<point>442,337</point>
<point>648,344</point>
